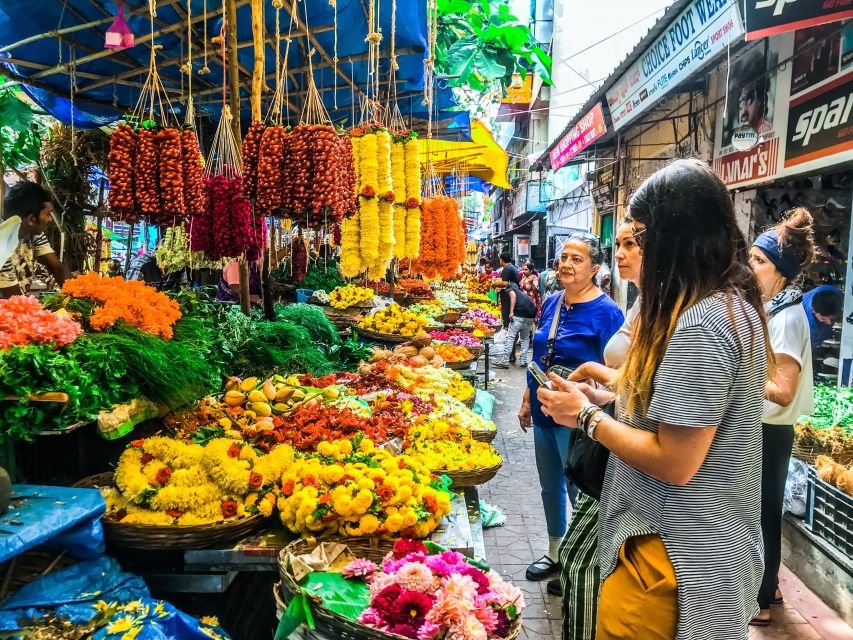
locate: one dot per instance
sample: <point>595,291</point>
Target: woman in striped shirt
<point>679,522</point>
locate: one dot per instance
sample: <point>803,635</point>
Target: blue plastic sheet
<point>74,594</point>
<point>484,404</point>
<point>101,98</point>
<point>61,517</point>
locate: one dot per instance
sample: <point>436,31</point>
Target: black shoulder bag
<point>587,460</point>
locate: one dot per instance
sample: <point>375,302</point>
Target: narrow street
<point>522,539</point>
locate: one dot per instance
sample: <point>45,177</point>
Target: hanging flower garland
<point>398,180</point>
<point>412,198</point>
<point>442,243</point>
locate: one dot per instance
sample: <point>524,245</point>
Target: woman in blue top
<point>587,319</point>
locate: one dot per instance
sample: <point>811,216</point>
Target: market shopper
<point>823,307</point>
<point>34,206</point>
<point>574,328</point>
<point>679,534</point>
<point>229,284</point>
<point>529,284</point>
<point>579,581</point>
<point>778,257</point>
<point>522,314</point>
<point>550,280</point>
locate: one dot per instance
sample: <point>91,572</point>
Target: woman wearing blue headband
<point>777,257</point>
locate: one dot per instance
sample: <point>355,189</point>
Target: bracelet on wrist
<point>593,421</point>
<point>585,414</point>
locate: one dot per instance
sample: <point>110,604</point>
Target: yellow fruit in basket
<point>330,393</point>
<point>233,383</point>
<point>257,396</point>
<point>234,398</point>
<point>269,390</point>
<point>262,409</point>
<point>292,381</point>
<point>225,423</point>
<point>248,384</point>
<point>280,407</point>
<point>283,394</point>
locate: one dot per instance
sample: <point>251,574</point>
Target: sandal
<point>541,569</point>
<point>779,599</point>
<point>759,621</point>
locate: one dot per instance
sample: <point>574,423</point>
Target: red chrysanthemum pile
<point>24,321</point>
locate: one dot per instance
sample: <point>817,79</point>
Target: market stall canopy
<point>481,158</point>
<point>61,45</point>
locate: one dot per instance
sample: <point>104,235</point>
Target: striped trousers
<point>579,575</point>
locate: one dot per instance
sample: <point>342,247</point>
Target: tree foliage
<point>480,42</point>
<point>19,142</point>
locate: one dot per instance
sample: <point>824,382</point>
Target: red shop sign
<point>588,129</point>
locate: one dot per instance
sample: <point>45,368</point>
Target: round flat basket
<point>459,366</point>
<point>471,477</point>
<point>809,454</point>
<point>484,435</point>
<point>138,536</point>
<point>381,337</point>
<point>332,624</point>
<point>476,351</point>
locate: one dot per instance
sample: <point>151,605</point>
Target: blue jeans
<point>551,445</point>
<point>521,328</point>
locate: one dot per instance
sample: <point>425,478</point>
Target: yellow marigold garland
<point>412,199</point>
<point>368,199</point>
<point>398,179</point>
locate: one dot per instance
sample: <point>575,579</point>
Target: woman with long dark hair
<point>778,257</point>
<point>529,284</point>
<point>680,529</point>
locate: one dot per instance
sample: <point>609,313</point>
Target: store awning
<point>481,158</point>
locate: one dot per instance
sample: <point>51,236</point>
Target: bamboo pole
<point>99,221</point>
<point>234,101</point>
<point>258,32</point>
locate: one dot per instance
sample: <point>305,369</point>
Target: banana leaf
<point>347,598</point>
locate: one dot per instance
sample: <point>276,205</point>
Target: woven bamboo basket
<point>333,624</point>
<point>381,337</point>
<point>484,435</point>
<point>476,351</point>
<point>470,402</point>
<point>459,366</point>
<point>469,328</point>
<point>138,536</point>
<point>809,454</point>
<point>471,477</point>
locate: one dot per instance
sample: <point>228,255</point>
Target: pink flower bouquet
<point>438,597</point>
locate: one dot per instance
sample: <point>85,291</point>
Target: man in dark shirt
<point>522,312</point>
<point>509,273</point>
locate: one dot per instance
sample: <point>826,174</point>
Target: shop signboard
<point>766,18</point>
<point>801,111</point>
<point>820,123</point>
<point>702,30</point>
<point>588,129</point>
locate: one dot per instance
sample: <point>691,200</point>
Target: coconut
<point>427,352</point>
<point>422,340</point>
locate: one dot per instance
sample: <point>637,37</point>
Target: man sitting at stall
<point>33,205</point>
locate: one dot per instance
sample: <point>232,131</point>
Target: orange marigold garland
<point>442,246</point>
<point>132,301</point>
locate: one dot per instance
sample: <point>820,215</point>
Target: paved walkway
<point>523,538</point>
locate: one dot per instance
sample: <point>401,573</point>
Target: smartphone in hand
<point>539,375</point>
<point>563,372</point>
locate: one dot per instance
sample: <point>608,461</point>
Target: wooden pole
<point>99,232</point>
<point>129,247</point>
<point>245,303</point>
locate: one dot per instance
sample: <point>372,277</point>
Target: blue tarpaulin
<point>108,81</point>
<point>75,593</point>
<point>60,517</point>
